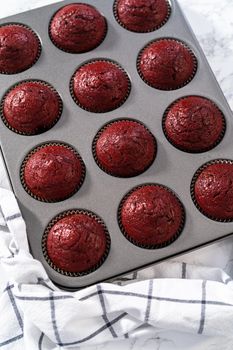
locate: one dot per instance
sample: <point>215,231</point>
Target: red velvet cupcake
<point>19,48</point>
<point>194,124</point>
<point>167,64</point>
<point>142,16</point>
<point>124,148</point>
<point>151,216</point>
<point>212,190</point>
<point>77,28</point>
<point>52,172</point>
<point>76,242</point>
<point>100,86</point>
<point>31,107</point>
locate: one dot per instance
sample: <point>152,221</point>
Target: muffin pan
<point>102,193</point>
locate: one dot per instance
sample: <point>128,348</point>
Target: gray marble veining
<point>212,22</point>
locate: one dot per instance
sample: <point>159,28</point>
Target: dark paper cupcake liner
<point>183,149</point>
<point>195,64</point>
<point>104,127</point>
<point>90,62</point>
<point>30,81</point>
<point>192,187</point>
<point>71,51</point>
<point>38,52</point>
<point>155,246</point>
<point>142,31</point>
<point>37,148</point>
<point>61,216</point>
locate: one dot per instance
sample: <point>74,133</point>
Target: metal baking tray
<point>102,193</point>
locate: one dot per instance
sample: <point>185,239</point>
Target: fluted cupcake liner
<point>88,63</point>
<point>155,246</point>
<point>195,64</point>
<point>42,82</point>
<point>156,27</point>
<point>61,216</point>
<point>38,52</point>
<point>183,148</point>
<point>71,51</point>
<point>39,147</point>
<point>192,187</point>
<point>104,127</point>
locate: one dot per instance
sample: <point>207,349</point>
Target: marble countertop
<point>212,22</point>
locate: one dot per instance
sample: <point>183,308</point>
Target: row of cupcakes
<point>164,64</point>
<point>121,148</point>
<point>77,242</point>
<point>150,216</point>
<point>96,86</point>
<point>53,172</point>
<point>191,123</point>
<point>76,28</point>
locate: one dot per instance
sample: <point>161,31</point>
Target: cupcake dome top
<point>151,216</point>
<point>31,107</point>
<point>213,190</point>
<point>77,243</point>
<point>77,28</point>
<point>52,172</point>
<point>194,124</point>
<point>124,148</point>
<point>19,48</point>
<point>142,16</point>
<point>167,64</point>
<point>100,86</point>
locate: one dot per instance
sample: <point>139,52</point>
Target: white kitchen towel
<point>34,314</point>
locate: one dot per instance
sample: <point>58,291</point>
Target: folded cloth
<point>35,314</point>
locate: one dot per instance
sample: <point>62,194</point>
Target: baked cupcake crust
<point>100,86</point>
<point>167,64</point>
<point>151,216</point>
<point>142,16</point>
<point>31,107</point>
<point>19,48</point>
<point>52,172</point>
<point>76,243</point>
<point>124,148</point>
<point>77,28</point>
<point>194,124</point>
<point>213,190</point>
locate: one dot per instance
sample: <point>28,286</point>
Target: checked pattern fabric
<point>35,314</point>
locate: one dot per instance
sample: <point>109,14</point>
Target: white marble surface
<point>212,22</point>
